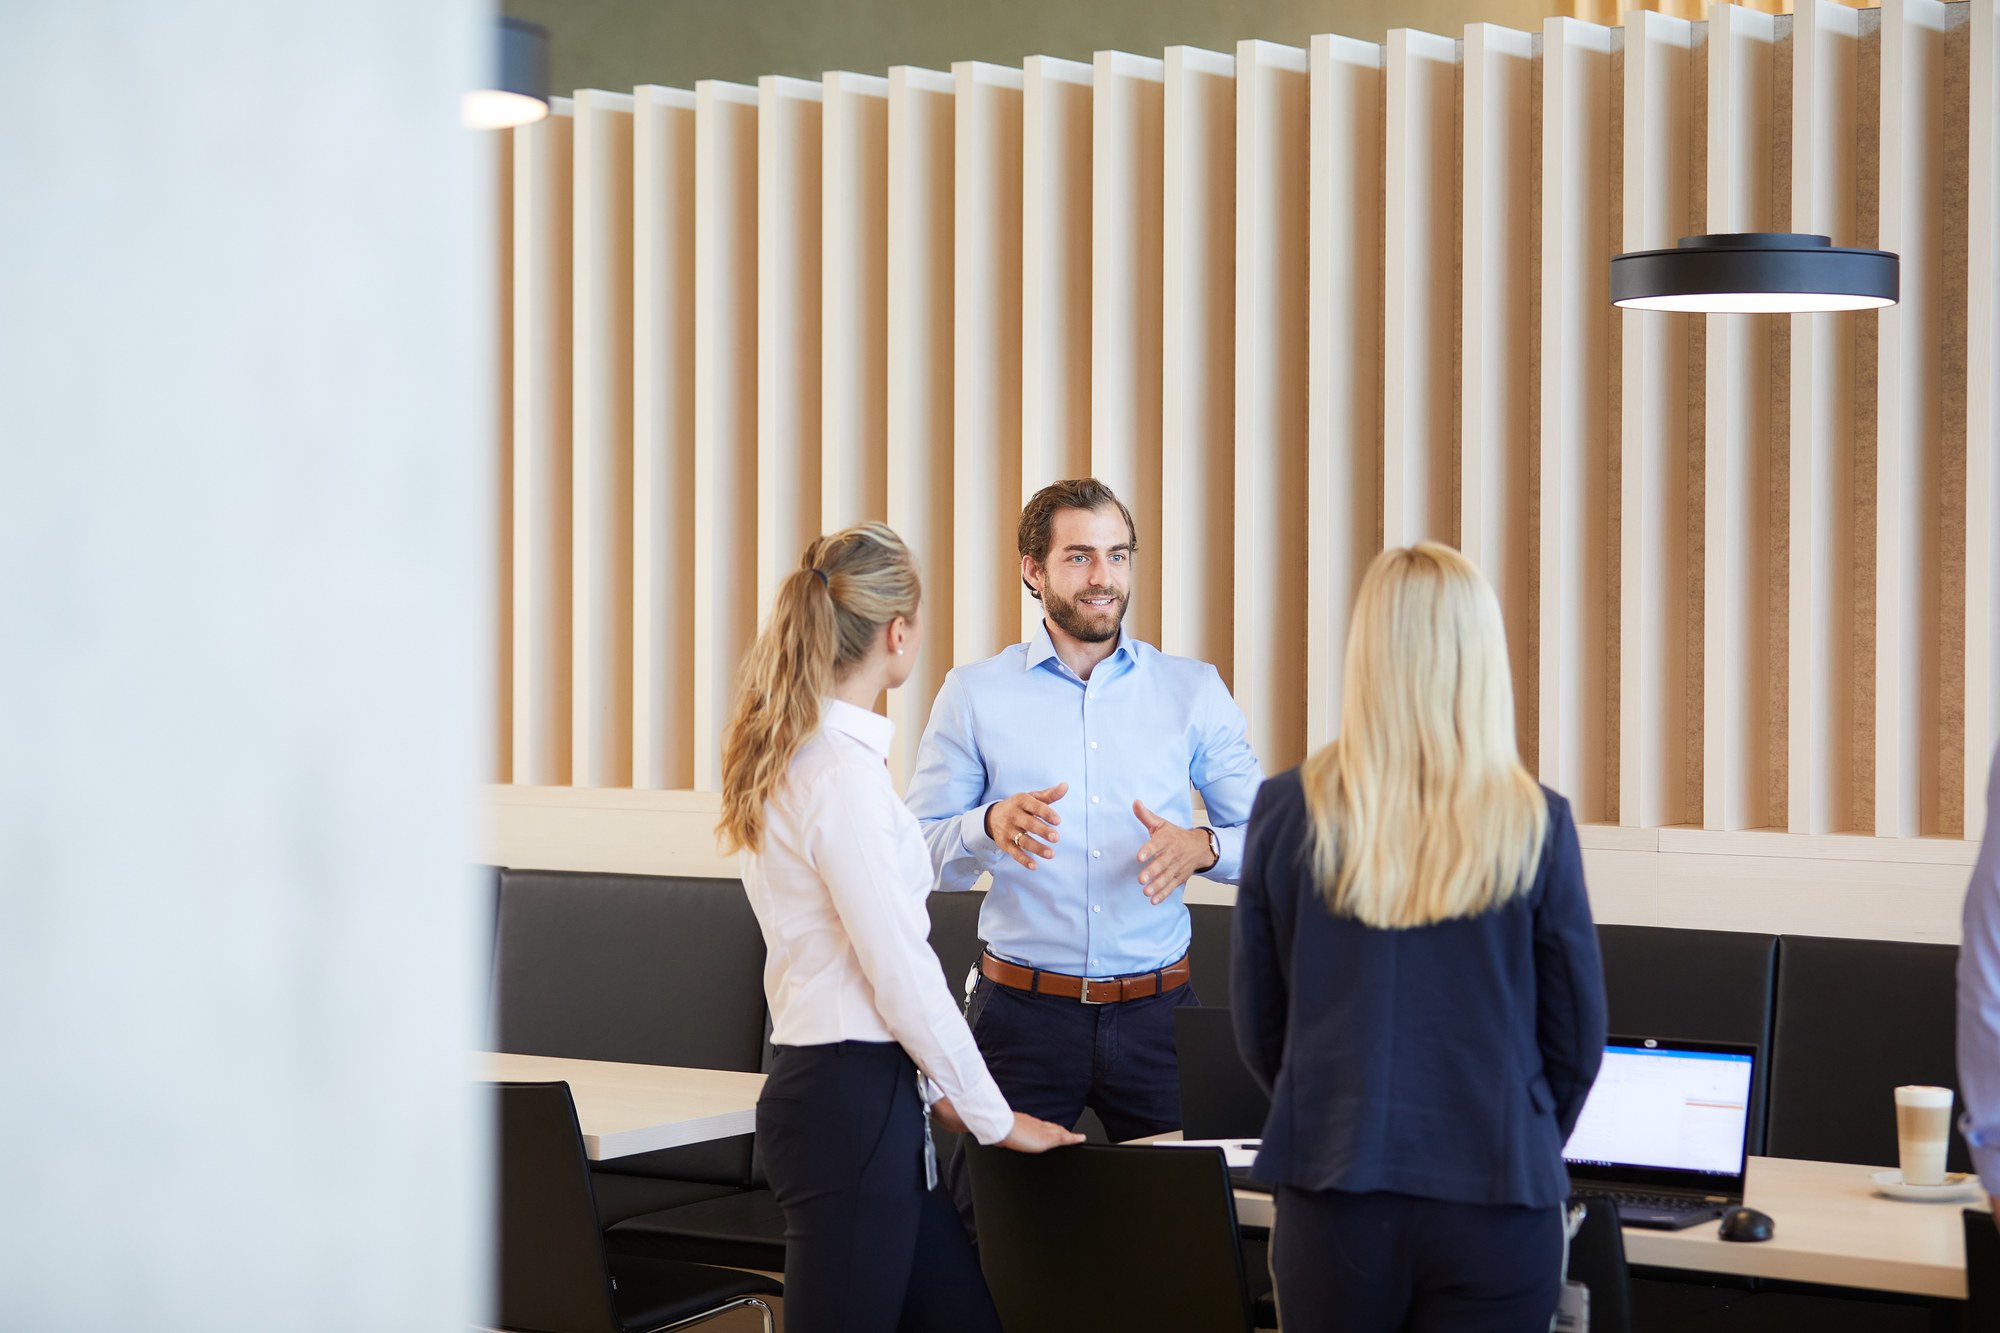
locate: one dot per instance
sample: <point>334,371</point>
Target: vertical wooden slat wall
<point>1293,304</point>
<point>502,481</point>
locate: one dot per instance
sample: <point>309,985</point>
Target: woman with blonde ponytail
<point>837,874</point>
<point>1416,981</point>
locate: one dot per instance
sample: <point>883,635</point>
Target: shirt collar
<point>871,729</point>
<point>1041,648</point>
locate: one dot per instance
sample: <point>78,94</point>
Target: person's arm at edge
<point>945,789</point>
<point>1227,775</point>
<point>1570,1021</point>
<point>1979,1000</point>
<point>887,931</point>
<point>1257,990</point>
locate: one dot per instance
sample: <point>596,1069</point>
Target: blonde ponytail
<point>826,617</point>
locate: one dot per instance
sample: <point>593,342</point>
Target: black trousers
<point>868,1249</point>
<point>1362,1263</point>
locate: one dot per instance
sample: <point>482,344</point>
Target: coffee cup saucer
<point>1956,1185</point>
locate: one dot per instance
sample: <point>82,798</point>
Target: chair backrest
<point>1208,950</point>
<point>1220,1097</point>
<point>1856,1019</point>
<point>1597,1260</point>
<point>1704,985</point>
<point>640,969</point>
<point>1982,1270</point>
<point>553,1276</point>
<point>955,935</point>
<point>1093,1238</point>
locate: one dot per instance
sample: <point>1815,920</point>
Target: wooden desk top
<point>627,1109</point>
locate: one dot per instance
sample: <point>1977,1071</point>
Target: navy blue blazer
<point>1447,1061</point>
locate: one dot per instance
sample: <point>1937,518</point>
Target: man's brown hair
<point>1038,520</point>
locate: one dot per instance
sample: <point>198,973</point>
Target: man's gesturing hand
<point>1024,824</point>
<point>1170,855</point>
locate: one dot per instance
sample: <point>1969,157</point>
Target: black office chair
<point>1597,1260</point>
<point>1092,1238</point>
<point>554,1276</point>
<point>1982,1270</point>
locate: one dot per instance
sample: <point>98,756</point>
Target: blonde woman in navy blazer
<point>1416,982</point>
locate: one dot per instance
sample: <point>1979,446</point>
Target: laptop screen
<point>1666,1112</point>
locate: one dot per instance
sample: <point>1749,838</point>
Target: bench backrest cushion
<point>1856,1019</point>
<point>1700,985</point>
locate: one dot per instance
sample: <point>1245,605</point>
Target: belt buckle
<point>1088,982</point>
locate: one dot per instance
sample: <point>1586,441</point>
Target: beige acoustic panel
<point>1056,199</point>
<point>1911,530</point>
<point>1344,376</point>
<point>1820,702</point>
<point>789,138</point>
<point>1126,350</point>
<point>854,302</point>
<point>1273,171</point>
<point>543,266</point>
<point>501,759</point>
<point>725,409</point>
<point>987,360</point>
<point>1982,411</point>
<point>601,701</point>
<point>1743,438</point>
<point>663,359</point>
<point>1500,374</point>
<point>1577,587</point>
<point>920,311</point>
<point>1420,341</point>
<point>1194,547</point>
<point>1658,692</point>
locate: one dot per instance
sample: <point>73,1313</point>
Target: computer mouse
<point>1745,1224</point>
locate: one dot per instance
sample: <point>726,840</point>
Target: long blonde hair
<point>827,614</point>
<point>1421,809</point>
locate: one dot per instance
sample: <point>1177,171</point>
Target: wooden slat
<point>1657,741</point>
<point>986,348</point>
<point>663,357</point>
<point>920,313</point>
<point>1420,262</point>
<point>1500,379</point>
<point>543,260</point>
<point>1982,411</point>
<point>1910,540</point>
<point>1344,377</point>
<point>1742,438</point>
<point>854,309</point>
<point>501,759</point>
<point>1820,703</point>
<point>789,135</point>
<point>1578,554</point>
<point>1128,127</point>
<point>725,404</point>
<point>1272,212</point>
<point>601,706</point>
<point>1195,541</point>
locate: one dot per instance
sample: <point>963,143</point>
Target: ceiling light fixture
<point>519,95</point>
<point>1755,273</point>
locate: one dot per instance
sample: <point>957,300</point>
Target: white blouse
<point>839,890</point>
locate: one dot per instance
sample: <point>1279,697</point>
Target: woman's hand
<point>945,1116</point>
<point>1032,1135</point>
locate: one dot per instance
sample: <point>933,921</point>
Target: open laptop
<point>1665,1132</point>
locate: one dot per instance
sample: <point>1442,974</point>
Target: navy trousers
<point>1391,1263</point>
<point>868,1249</point>
<point>1053,1057</point>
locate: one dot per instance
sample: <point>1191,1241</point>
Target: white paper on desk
<point>1235,1152</point>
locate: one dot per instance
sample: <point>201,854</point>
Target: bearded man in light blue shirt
<point>1062,767</point>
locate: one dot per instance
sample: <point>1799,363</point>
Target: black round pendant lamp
<point>1755,273</point>
<point>519,92</point>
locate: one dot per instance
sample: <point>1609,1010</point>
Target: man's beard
<point>1086,624</point>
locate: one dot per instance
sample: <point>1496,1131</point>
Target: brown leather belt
<point>1089,990</point>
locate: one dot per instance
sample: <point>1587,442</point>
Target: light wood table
<point>626,1109</point>
<point>1828,1226</point>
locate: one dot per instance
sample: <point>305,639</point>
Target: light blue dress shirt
<point>1979,999</point>
<point>1143,727</point>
